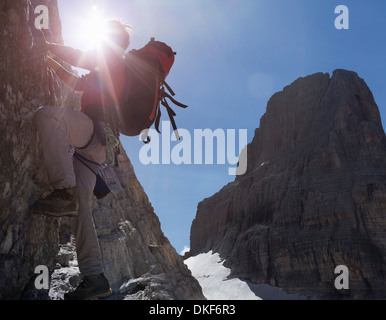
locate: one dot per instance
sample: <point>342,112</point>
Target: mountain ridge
<point>312,197</point>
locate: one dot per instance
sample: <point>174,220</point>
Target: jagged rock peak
<point>308,110</point>
<point>313,196</point>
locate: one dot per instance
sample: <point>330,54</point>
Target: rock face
<point>139,260</point>
<point>313,196</point>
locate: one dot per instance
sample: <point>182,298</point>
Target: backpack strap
<point>163,95</point>
<point>171,114</point>
<point>163,82</point>
<point>166,95</point>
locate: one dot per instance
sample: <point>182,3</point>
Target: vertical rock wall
<point>132,243</point>
<point>313,197</point>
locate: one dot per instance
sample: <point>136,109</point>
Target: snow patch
<point>209,270</point>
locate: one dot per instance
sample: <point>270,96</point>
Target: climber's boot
<point>91,287</point>
<point>60,203</point>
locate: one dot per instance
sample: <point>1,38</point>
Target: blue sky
<point>232,56</point>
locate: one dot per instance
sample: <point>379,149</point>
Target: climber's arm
<point>72,80</point>
<point>76,58</point>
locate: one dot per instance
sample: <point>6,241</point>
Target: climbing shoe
<point>60,203</point>
<point>91,287</point>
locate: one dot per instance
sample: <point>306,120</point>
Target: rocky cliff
<point>313,196</point>
<point>139,260</point>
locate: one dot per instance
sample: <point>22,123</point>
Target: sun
<point>93,29</point>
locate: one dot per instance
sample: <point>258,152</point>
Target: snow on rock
<point>208,269</point>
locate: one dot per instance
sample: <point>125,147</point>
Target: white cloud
<point>186,249</point>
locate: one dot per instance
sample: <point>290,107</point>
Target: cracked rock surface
<point>313,196</point>
<point>132,242</point>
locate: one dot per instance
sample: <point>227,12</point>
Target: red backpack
<point>145,90</point>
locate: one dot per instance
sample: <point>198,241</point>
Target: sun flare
<point>93,30</point>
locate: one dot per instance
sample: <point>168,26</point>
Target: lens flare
<point>93,29</point>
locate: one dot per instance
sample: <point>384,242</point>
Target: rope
<point>112,142</point>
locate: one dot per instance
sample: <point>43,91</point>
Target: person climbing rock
<point>63,132</point>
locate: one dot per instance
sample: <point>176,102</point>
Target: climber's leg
<point>89,255</point>
<point>59,129</point>
<point>87,245</point>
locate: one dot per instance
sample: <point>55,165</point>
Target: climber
<point>62,131</point>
